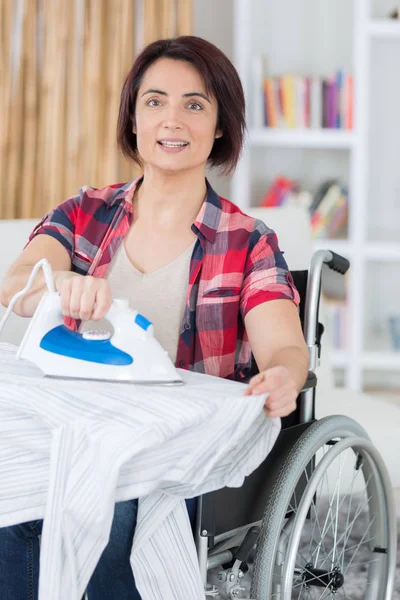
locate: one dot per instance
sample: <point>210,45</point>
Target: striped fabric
<point>236,264</point>
<point>70,449</point>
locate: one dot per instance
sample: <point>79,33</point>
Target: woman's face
<point>175,117</point>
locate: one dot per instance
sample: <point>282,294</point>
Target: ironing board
<point>70,449</point>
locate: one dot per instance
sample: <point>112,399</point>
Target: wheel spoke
<point>327,526</point>
<point>350,494</point>
<point>341,464</point>
<point>316,511</point>
<point>346,596</point>
<point>339,524</point>
<point>343,535</point>
<point>313,578</point>
<point>357,513</point>
<point>358,546</point>
<point>318,542</point>
<point>362,564</point>
<point>348,530</point>
<point>365,533</point>
<point>302,555</point>
<point>331,523</point>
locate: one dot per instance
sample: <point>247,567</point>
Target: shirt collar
<point>125,192</point>
<point>207,221</point>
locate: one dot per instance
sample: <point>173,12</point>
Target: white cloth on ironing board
<point>70,449</point>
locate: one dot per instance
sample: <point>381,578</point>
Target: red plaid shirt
<point>236,264</point>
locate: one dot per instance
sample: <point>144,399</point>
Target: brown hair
<point>221,80</point>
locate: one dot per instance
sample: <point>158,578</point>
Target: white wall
<point>213,21</point>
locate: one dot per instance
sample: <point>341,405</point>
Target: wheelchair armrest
<point>311,381</point>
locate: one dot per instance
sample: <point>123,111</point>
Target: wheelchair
<point>294,525</point>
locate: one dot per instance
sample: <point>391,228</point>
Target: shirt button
<point>182,363</point>
<point>187,325</point>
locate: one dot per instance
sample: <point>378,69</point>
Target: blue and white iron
<point>130,354</point>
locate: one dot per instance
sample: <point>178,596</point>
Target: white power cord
<point>48,277</point>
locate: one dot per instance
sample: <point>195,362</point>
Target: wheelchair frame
<point>218,528</point>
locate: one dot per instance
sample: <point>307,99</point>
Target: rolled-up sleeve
<point>266,276</point>
<point>60,223</point>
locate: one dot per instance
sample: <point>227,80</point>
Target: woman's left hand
<point>280,385</point>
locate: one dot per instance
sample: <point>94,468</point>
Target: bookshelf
<point>301,138</point>
<point>383,28</point>
<point>300,36</point>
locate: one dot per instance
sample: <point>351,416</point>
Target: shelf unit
<point>385,361</point>
<point>371,251</point>
<point>339,359</point>
<point>343,247</point>
<point>355,360</point>
<point>383,28</point>
<point>384,251</point>
<point>302,138</point>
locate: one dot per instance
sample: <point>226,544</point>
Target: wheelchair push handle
<point>336,262</point>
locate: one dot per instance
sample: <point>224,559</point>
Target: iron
<point>130,354</point>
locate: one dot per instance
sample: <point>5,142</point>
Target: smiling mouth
<point>173,144</point>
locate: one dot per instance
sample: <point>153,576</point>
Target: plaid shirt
<point>236,264</point>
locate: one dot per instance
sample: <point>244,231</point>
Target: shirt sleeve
<point>266,275</point>
<point>60,223</point>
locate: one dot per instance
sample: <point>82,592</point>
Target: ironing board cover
<point>70,449</point>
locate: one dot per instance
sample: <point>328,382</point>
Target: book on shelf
<point>337,322</point>
<point>294,101</point>
<point>331,212</point>
<point>278,193</point>
<point>328,207</point>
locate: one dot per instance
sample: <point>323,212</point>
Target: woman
<point>211,279</point>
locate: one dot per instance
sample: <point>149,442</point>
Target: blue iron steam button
<point>142,322</point>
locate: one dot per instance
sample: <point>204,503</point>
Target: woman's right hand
<point>82,296</point>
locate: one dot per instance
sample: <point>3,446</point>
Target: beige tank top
<point>159,296</point>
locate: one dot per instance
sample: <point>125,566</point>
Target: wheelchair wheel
<point>342,522</point>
